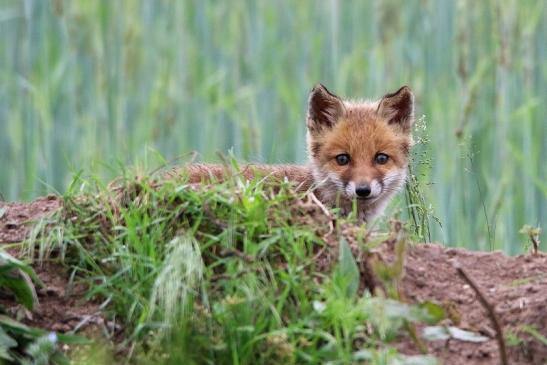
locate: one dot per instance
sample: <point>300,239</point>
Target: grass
<point>84,83</point>
<point>230,273</point>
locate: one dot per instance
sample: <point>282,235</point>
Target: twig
<point>535,244</point>
<point>411,329</point>
<point>533,234</point>
<point>319,253</point>
<point>319,204</point>
<point>324,209</point>
<point>211,217</point>
<point>489,310</point>
<point>229,252</point>
<point>225,276</point>
<point>481,196</point>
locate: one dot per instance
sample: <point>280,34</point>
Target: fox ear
<point>398,108</point>
<point>324,109</point>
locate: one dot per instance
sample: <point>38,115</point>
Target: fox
<point>358,152</point>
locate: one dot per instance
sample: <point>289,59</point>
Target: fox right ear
<point>398,108</point>
<point>324,109</point>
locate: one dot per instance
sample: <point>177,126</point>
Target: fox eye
<point>381,158</point>
<point>342,159</point>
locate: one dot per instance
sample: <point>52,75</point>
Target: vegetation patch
<point>244,272</point>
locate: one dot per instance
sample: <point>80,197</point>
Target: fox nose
<point>362,191</point>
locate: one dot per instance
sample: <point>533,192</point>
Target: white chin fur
<point>394,181</point>
<point>350,190</point>
<point>375,189</point>
<point>331,188</point>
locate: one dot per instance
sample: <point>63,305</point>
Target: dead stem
<point>489,310</point>
<point>324,209</point>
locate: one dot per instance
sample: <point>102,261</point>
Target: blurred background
<point>88,84</point>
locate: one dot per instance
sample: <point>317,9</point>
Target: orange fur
<point>361,131</point>
<point>204,173</point>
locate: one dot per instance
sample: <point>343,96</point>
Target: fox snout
<point>364,189</point>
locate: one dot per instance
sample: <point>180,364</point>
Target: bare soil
<point>62,306</point>
<point>17,218</point>
<point>516,287</point>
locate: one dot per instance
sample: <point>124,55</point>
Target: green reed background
<point>87,83</point>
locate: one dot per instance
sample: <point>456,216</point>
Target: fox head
<point>359,150</point>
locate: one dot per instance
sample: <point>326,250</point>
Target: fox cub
<point>358,152</point>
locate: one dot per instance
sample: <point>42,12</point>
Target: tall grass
<point>89,82</point>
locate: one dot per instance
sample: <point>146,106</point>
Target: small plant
<point>18,278</point>
<point>419,212</point>
<point>532,233</point>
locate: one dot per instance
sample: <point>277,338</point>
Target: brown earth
<point>515,286</point>
<point>16,218</point>
<point>61,303</point>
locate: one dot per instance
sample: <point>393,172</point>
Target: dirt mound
<point>515,286</point>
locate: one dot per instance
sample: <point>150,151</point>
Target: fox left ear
<point>398,108</point>
<point>324,109</point>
